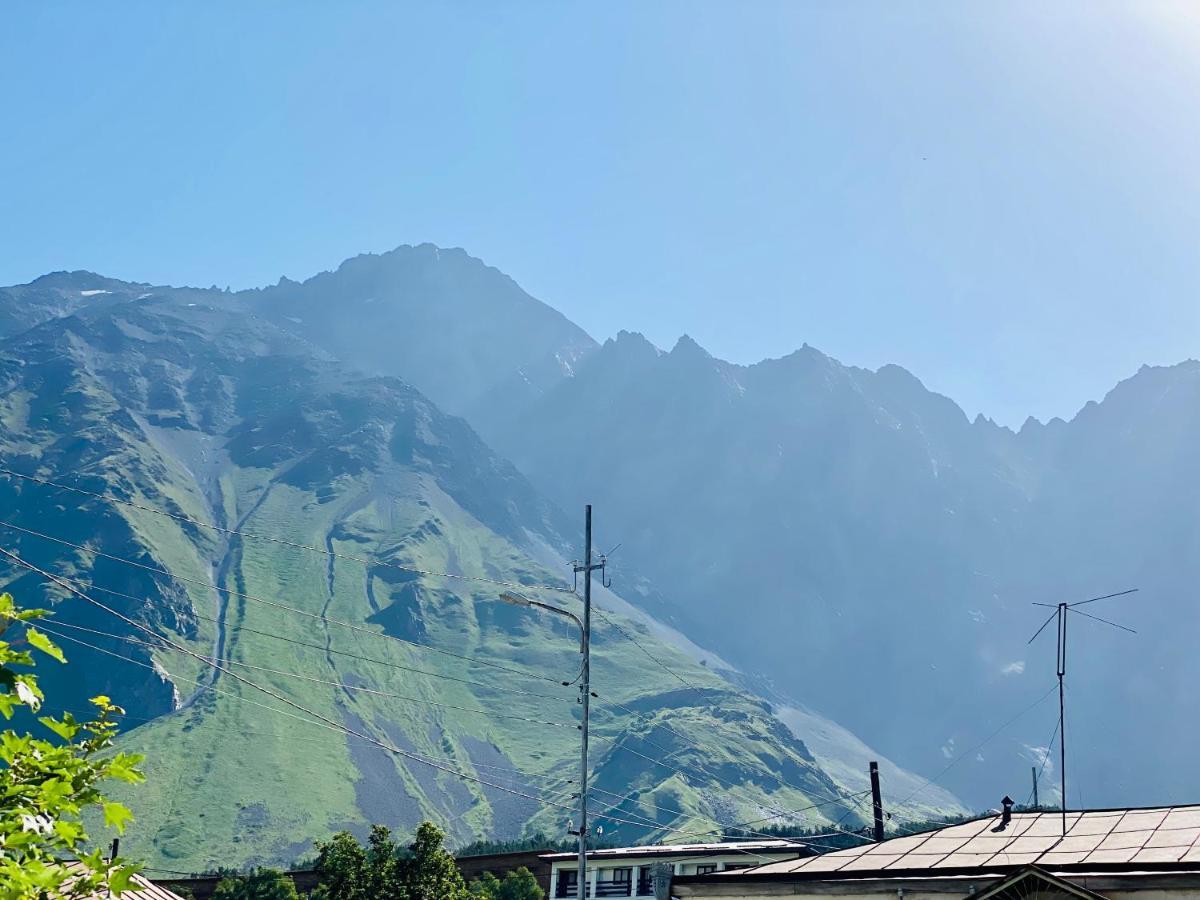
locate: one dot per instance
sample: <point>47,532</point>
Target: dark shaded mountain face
<point>194,403</point>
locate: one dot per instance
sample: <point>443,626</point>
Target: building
<point>1110,854</point>
<point>629,871</point>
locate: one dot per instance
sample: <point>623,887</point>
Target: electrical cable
<point>206,686</point>
<point>324,649</point>
<point>324,681</point>
<point>327,722</point>
<point>283,606</point>
<point>604,615</point>
<point>274,540</point>
<point>978,746</point>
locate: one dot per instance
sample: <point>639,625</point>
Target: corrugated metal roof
<point>1168,834</point>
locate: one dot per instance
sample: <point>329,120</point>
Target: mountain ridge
<point>853,508</point>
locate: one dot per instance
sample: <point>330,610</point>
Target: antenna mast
<point>1060,614</point>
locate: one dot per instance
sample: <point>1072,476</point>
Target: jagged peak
<point>631,342</point>
<point>687,346</point>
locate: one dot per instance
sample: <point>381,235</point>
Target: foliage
<point>430,872</point>
<point>46,785</point>
<point>517,885</point>
<point>261,884</point>
<point>485,887</point>
<point>537,841</point>
<point>426,871</point>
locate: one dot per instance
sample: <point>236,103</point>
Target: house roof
<point>139,889</point>
<point>780,846</point>
<point>1118,838</point>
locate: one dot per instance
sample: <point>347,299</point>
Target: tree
<point>45,785</point>
<point>520,885</point>
<point>261,884</point>
<point>430,871</point>
<point>485,887</point>
<point>517,885</point>
<point>382,871</point>
<point>349,871</point>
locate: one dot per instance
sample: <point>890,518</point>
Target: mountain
<point>201,404</point>
<point>467,333</point>
<point>888,548</point>
<point>878,550</point>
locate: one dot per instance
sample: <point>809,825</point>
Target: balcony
<point>645,888</point>
<point>613,888</point>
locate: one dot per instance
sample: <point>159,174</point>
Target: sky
<point>1001,197</point>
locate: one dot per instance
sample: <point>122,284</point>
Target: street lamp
<point>518,600</point>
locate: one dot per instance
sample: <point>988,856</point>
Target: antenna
<point>1060,613</point>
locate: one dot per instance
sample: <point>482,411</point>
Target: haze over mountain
<point>203,405</point>
<point>859,542</point>
<point>833,538</point>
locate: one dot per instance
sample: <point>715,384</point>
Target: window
<point>567,882</point>
<point>706,869</point>
<point>623,875</point>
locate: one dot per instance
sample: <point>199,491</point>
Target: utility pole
<point>585,676</point>
<point>1033,771</point>
<point>876,801</point>
<point>585,693</point>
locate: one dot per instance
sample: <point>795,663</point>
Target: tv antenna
<point>1060,614</point>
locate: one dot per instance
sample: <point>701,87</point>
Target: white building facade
<point>630,871</point>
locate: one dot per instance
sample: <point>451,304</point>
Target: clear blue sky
<point>1002,197</point>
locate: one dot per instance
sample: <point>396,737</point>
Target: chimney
<point>1006,814</point>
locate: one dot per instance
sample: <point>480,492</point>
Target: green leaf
<point>116,815</point>
<point>121,878</point>
<point>44,644</point>
<point>123,766</point>
<point>65,729</point>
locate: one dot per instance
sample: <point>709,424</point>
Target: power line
<point>321,719</point>
<point>283,606</point>
<point>617,746</point>
<point>601,612</point>
<point>676,812</point>
<point>954,762</point>
<point>350,732</point>
<point>368,631</point>
<point>324,681</point>
<point>281,541</point>
<point>206,686</point>
<point>324,649</point>
<point>833,798</point>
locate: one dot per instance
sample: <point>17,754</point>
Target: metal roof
<point>1168,834</point>
<point>140,888</point>
<point>776,846</point>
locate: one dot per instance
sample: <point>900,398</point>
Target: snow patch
<point>92,293</point>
